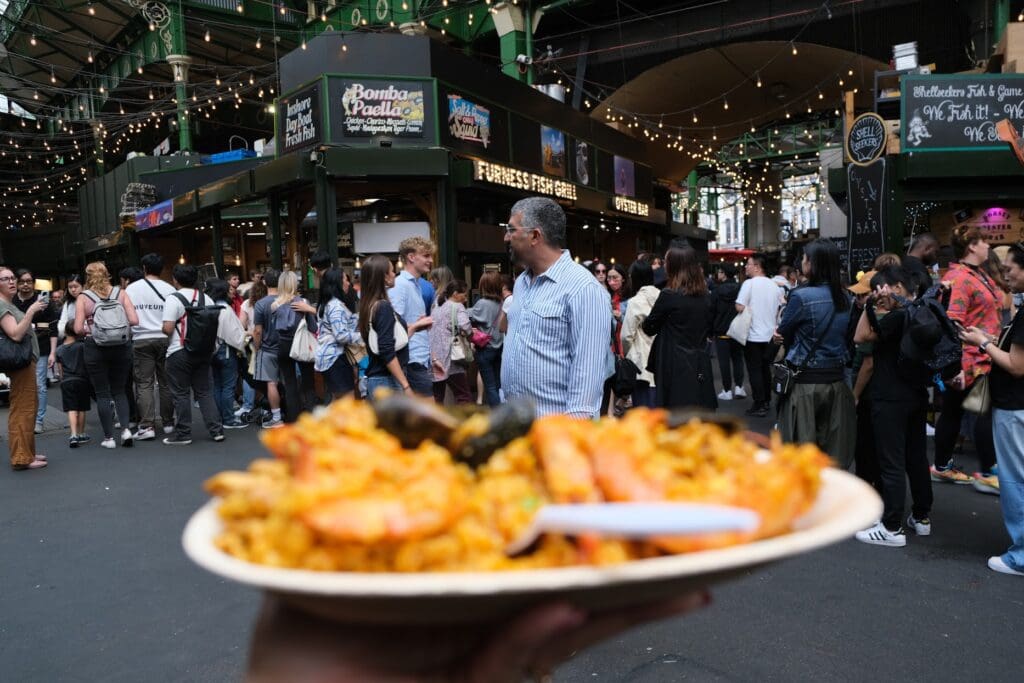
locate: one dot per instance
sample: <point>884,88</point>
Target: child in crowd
<point>74,384</point>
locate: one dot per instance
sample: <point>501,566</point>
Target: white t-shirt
<point>506,305</point>
<point>174,311</point>
<point>764,298</point>
<point>149,306</point>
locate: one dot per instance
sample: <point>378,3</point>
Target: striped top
<point>556,348</point>
<point>336,330</point>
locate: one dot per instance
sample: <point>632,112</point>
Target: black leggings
<point>108,368</point>
<point>730,362</point>
<point>947,429</point>
<point>297,397</point>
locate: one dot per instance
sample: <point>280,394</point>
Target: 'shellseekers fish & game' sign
<point>959,111</point>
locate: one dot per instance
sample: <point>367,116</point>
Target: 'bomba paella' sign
<point>379,108</point>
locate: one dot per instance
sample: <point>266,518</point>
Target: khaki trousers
<point>822,414</point>
<point>21,418</point>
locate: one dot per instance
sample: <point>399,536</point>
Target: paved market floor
<point>96,587</point>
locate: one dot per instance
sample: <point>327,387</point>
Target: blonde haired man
<point>417,255</point>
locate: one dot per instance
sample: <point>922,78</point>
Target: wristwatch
<point>984,345</point>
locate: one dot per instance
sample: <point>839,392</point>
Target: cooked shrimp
<point>370,520</point>
<point>567,469</point>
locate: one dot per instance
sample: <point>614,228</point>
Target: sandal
<point>34,465</point>
<point>40,456</point>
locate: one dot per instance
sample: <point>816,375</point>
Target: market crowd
<point>855,368</point>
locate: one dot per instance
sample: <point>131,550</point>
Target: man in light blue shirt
<point>417,254</point>
<point>559,325</point>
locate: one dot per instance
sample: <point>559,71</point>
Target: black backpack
<point>200,325</point>
<point>930,347</point>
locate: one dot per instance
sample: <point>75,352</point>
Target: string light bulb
<point>283,10</point>
<point>259,43</point>
<point>303,43</point>
<point>793,45</point>
<point>759,84</point>
<point>32,40</point>
<point>725,104</point>
<point>206,36</point>
<point>239,8</point>
<point>92,10</point>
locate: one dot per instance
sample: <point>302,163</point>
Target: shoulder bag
<point>462,350</point>
<point>401,335</point>
<point>739,328</point>
<point>979,399</point>
<point>303,347</point>
<point>784,375</point>
<point>15,355</point>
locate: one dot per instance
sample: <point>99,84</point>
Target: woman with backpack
<point>104,315</point>
<point>288,311</point>
<point>484,317</point>
<point>975,300</point>
<point>819,407</point>
<point>450,323</point>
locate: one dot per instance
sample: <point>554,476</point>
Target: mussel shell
<point>414,420</point>
<point>506,422</point>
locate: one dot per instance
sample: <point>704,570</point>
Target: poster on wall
<point>552,147</point>
<point>394,109</point>
<point>299,120</point>
<point>583,162</point>
<point>942,112</point>
<point>155,215</point>
<point>866,214</point>
<point>625,177</point>
<point>468,121</point>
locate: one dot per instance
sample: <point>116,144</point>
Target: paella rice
<point>343,495</point>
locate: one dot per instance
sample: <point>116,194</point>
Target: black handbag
<point>624,379</point>
<point>15,355</point>
<point>784,375</point>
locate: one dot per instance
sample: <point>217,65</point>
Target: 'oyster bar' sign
<point>959,112</point>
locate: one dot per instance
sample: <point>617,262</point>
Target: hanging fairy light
<point>206,36</point>
<point>793,46</point>
<point>259,43</point>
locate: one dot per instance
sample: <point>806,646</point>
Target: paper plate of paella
<point>402,511</point>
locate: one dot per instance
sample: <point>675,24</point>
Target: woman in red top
<point>617,283</point>
<point>975,301</point>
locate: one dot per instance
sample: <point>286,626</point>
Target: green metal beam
<point>781,142</point>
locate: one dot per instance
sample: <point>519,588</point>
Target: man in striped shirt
<point>559,326</point>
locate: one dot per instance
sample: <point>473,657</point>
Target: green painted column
<point>217,233</point>
<point>514,38</point>
<point>274,210</point>
<point>180,62</point>
<point>1001,17</point>
<point>447,247</point>
<point>326,213</point>
<point>693,198</point>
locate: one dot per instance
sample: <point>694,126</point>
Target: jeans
<point>730,362</point>
<point>298,397</point>
<point>225,374</point>
<point>248,396</point>
<point>947,429</point>
<point>759,356</point>
<point>900,445</point>
<point>488,360</point>
<point>1008,430</point>
<point>383,382</point>
<point>187,374</point>
<point>421,379</point>
<point>460,388</point>
<point>148,358</point>
<point>41,387</point>
<point>108,368</point>
<point>340,377</point>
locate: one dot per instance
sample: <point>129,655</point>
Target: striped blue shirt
<point>558,340</point>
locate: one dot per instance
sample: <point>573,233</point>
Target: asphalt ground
<point>96,587</point>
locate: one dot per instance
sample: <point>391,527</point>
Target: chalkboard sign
<point>866,215</point>
<point>299,120</point>
<point>843,244</point>
<point>959,112</point>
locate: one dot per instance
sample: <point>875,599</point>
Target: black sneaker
<point>73,441</point>
<point>757,410</point>
<point>84,438</point>
<point>177,441</point>
<point>235,424</point>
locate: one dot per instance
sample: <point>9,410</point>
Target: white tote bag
<point>304,344</point>
<point>401,337</point>
<point>739,328</point>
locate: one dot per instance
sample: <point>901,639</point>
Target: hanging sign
<point>998,225</point>
<point>959,111</point>
<point>156,215</point>
<point>631,206</point>
<point>299,119</point>
<point>865,141</point>
<point>468,122</point>
<point>382,108</point>
<point>866,214</point>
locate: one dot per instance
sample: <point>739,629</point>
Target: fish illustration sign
<point>960,111</point>
<point>865,141</point>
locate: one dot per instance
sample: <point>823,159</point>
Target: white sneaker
<point>126,438</point>
<point>996,563</point>
<point>738,392</point>
<point>921,527</point>
<point>879,535</point>
<point>241,411</point>
<point>168,429</point>
<point>108,443</point>
<point>145,434</point>
<point>725,395</point>
<point>929,430</point>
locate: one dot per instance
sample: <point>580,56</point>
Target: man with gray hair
<point>558,346</point>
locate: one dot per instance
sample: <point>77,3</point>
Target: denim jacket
<point>803,320</point>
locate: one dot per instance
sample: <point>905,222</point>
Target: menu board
<point>366,109</point>
<point>959,112</point>
<point>473,127</point>
<point>866,214</point>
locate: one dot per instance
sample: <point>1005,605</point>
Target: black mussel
<point>506,422</point>
<point>677,417</point>
<point>414,420</point>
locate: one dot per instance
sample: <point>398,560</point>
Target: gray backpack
<point>110,325</point>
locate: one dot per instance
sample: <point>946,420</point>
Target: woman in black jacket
<point>681,318</point>
<point>729,351</point>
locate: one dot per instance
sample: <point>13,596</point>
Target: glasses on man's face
<point>25,282</point>
<point>9,278</point>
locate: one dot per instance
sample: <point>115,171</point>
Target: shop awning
<point>729,254</point>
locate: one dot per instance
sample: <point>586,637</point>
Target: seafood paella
<point>361,488</point>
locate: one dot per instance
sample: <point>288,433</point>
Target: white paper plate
<point>845,505</point>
